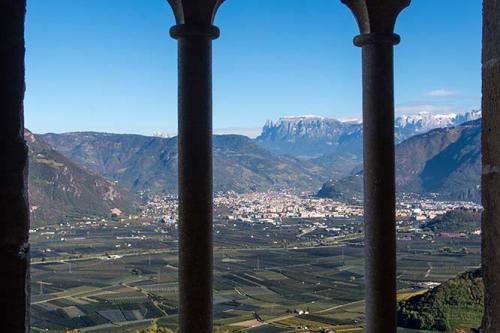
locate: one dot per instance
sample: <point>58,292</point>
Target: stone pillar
<point>376,20</point>
<point>195,32</point>
<point>491,165</point>
<point>14,210</point>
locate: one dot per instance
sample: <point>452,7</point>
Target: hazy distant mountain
<point>338,144</point>
<point>241,165</point>
<point>150,163</point>
<point>445,161</point>
<point>60,190</point>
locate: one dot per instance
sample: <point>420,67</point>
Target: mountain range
<point>337,144</point>
<point>142,163</point>
<point>93,174</point>
<point>444,162</point>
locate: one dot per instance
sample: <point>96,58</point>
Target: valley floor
<point>119,276</point>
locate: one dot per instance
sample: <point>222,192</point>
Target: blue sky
<point>111,65</point>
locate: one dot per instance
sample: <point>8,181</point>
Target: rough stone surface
<point>14,210</point>
<point>491,165</point>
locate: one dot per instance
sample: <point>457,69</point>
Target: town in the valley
<point>273,207</point>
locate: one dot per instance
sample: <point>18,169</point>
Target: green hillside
<point>455,304</point>
<point>460,220</point>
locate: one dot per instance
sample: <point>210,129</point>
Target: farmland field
<point>117,277</point>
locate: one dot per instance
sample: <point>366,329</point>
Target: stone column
<point>195,32</point>
<point>376,20</point>
<point>14,210</point>
<point>491,165</point>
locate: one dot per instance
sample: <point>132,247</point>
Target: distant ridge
<point>142,163</point>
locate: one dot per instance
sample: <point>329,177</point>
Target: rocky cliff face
<point>294,129</point>
<point>310,136</point>
<point>313,136</point>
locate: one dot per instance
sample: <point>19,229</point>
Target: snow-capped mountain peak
<point>303,135</point>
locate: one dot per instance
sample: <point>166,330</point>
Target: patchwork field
<point>267,279</point>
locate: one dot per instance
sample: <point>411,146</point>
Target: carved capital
<point>376,16</point>
<point>199,13</point>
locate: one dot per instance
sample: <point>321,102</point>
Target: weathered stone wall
<point>14,211</point>
<point>491,165</point>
